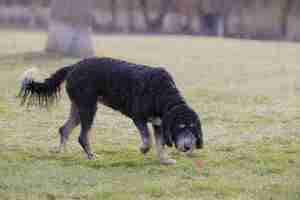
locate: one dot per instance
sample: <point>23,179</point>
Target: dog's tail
<point>42,93</point>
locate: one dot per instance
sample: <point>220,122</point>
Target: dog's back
<point>121,85</point>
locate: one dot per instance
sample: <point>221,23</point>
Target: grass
<point>246,93</point>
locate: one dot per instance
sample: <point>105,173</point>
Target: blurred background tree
<point>70,28</point>
<point>70,22</point>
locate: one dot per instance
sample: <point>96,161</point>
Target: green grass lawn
<point>246,92</point>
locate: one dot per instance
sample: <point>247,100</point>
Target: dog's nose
<point>187,148</point>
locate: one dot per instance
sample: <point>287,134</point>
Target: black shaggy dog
<point>142,93</point>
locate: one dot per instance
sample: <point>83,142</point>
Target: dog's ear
<point>166,126</point>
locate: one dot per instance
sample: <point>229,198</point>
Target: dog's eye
<point>181,125</point>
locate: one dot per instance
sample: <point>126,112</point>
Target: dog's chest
<point>156,121</point>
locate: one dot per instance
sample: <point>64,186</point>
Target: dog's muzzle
<point>186,142</point>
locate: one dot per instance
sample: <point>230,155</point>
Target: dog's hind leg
<point>87,114</point>
<point>145,136</point>
<point>162,155</point>
<point>69,125</point>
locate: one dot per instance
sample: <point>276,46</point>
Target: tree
<point>130,11</point>
<point>113,6</point>
<point>185,9</point>
<point>70,28</point>
<point>292,21</point>
<point>155,24</point>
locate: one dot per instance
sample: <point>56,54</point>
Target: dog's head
<point>182,127</point>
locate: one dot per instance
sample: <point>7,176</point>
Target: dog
<point>143,93</point>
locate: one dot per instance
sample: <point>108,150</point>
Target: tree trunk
<point>293,23</point>
<point>130,11</point>
<point>70,28</point>
<point>155,24</point>
<point>113,8</point>
<point>185,10</point>
<point>285,15</point>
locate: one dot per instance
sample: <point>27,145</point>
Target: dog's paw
<point>144,148</point>
<point>91,156</point>
<point>56,149</point>
<point>59,149</point>
<point>168,161</point>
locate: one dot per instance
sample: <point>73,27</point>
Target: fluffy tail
<point>43,93</point>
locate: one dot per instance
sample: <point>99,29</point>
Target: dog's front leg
<point>145,135</point>
<point>159,141</point>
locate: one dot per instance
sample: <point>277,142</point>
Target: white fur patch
<point>156,121</point>
<point>28,75</point>
<point>182,125</point>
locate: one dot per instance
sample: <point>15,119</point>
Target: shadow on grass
<point>106,159</point>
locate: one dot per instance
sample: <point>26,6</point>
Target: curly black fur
<point>137,91</point>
